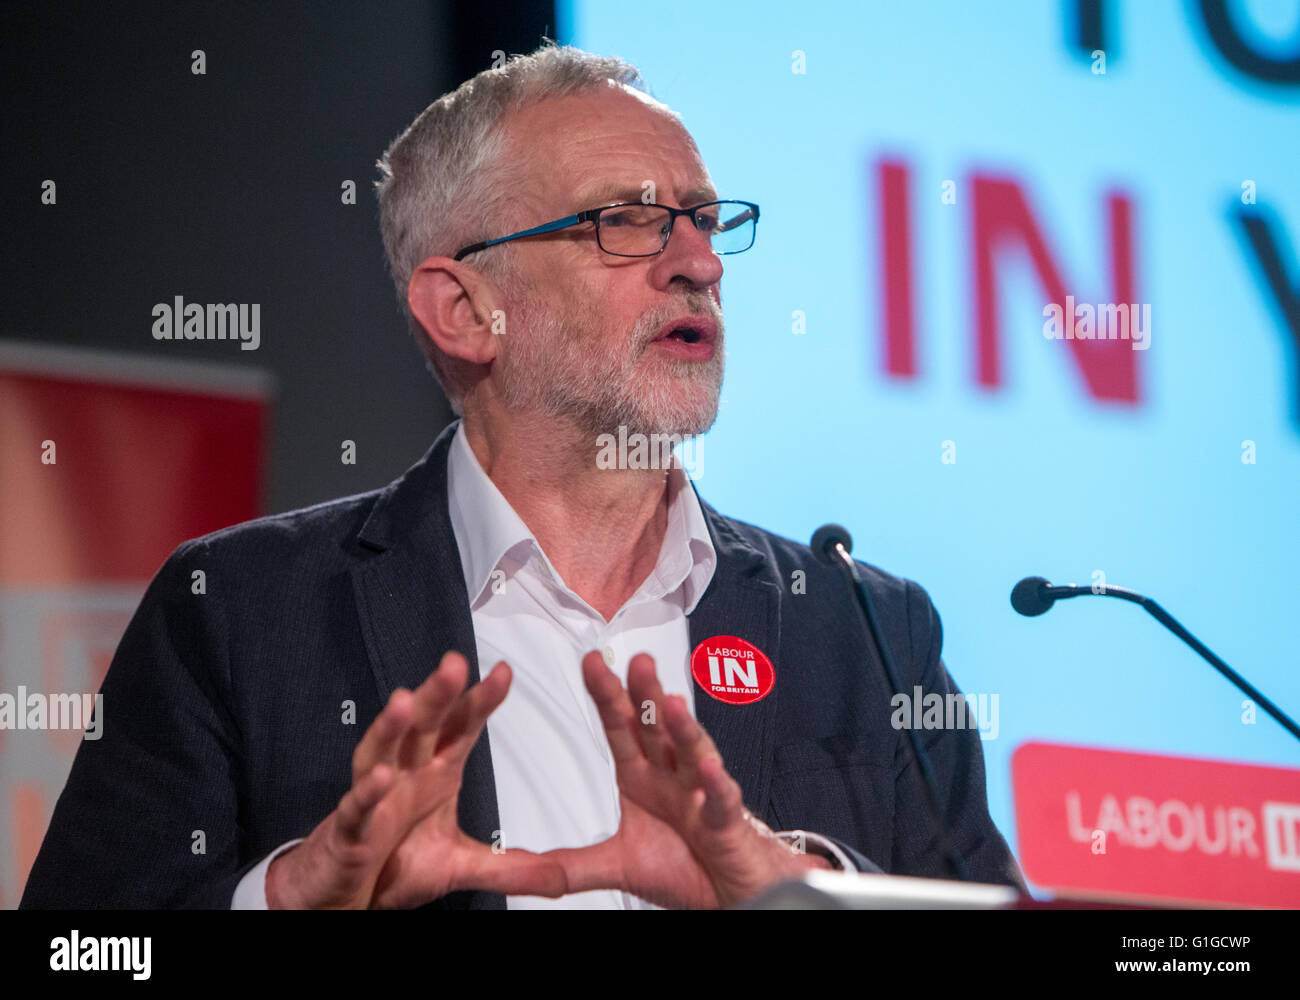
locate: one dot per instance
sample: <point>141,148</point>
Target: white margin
<point>131,368</point>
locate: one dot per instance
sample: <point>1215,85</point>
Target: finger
<point>514,872</point>
<point>723,803</point>
<point>381,741</point>
<point>615,710</point>
<point>465,721</point>
<point>691,743</point>
<point>432,704</point>
<point>357,807</point>
<point>646,693</point>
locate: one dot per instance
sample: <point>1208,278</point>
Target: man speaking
<point>522,675</point>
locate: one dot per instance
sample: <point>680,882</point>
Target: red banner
<point>109,463</point>
<point>1105,822</point>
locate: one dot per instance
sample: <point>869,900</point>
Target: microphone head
<point>824,539</point>
<point>1030,598</point>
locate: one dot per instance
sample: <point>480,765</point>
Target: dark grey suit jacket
<point>223,710</point>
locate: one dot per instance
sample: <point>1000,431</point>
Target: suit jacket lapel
<point>743,599</point>
<point>413,607</point>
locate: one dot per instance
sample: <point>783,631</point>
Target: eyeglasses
<point>633,229</point>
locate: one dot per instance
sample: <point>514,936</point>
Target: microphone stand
<point>832,543</point>
<point>1036,593</point>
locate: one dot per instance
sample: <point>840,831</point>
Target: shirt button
<point>608,654</point>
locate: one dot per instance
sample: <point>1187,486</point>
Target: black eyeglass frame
<point>592,215</point>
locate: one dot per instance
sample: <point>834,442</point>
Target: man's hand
<point>394,840</point>
<point>685,837</point>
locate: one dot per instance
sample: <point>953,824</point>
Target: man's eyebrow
<point>615,193</point>
<point>696,196</point>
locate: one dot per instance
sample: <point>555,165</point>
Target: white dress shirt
<point>554,773</point>
<point>555,781</point>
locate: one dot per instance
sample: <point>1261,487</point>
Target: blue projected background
<point>1048,478</point>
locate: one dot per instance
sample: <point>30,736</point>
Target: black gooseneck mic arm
<point>1033,596</point>
<point>832,544</point>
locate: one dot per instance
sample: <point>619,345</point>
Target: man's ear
<point>457,308</point>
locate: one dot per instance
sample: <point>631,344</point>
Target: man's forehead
<point>602,147</point>
<point>593,193</point>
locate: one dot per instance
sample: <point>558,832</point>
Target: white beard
<point>548,364</point>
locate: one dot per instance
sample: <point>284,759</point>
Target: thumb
<point>599,866</point>
<point>512,872</point>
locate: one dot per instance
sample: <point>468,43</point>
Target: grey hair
<point>446,181</point>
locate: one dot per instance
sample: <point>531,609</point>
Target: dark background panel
<point>226,187</point>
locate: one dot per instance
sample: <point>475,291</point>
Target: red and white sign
<point>1093,821</point>
<point>109,462</point>
<point>732,670</point>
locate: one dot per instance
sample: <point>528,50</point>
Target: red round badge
<point>732,670</point>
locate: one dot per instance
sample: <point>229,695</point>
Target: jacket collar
<point>743,599</point>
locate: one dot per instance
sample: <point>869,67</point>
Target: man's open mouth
<point>689,330</point>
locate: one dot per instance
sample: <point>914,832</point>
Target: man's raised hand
<point>394,840</point>
<point>685,837</point>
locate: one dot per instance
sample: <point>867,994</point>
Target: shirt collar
<point>489,533</point>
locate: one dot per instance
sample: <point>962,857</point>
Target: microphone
<point>1034,596</point>
<point>824,540</point>
<point>832,544</point>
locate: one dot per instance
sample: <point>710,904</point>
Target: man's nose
<point>689,255</point>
